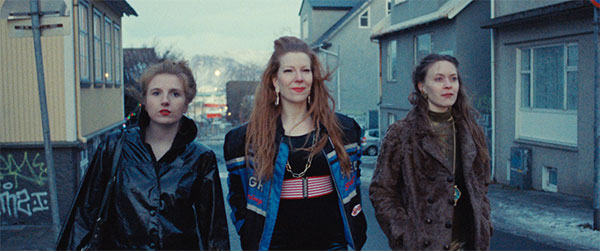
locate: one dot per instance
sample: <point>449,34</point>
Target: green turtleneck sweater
<point>441,124</point>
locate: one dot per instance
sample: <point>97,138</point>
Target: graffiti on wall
<point>23,187</point>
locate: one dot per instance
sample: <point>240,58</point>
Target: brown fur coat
<point>412,191</point>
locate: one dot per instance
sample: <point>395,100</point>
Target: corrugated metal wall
<point>19,103</point>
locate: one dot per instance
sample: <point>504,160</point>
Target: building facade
<point>415,29</point>
<point>82,58</point>
<point>339,32</point>
<point>543,85</point>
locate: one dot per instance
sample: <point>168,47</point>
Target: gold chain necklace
<point>288,167</point>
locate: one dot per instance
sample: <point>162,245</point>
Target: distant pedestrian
<point>166,192</point>
<point>294,167</point>
<point>429,188</point>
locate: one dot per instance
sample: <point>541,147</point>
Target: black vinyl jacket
<point>172,203</point>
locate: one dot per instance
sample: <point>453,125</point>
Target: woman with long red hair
<point>293,168</point>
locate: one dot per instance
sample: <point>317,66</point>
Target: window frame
<point>531,72</point>
<point>108,64</point>
<point>391,45</point>
<point>562,125</point>
<point>118,59</point>
<point>416,46</point>
<point>98,48</point>
<point>388,7</point>
<point>360,19</point>
<point>391,118</point>
<point>84,31</point>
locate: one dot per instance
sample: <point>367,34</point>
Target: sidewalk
<point>561,220</point>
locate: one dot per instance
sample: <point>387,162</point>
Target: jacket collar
<point>187,130</point>
<point>467,146</point>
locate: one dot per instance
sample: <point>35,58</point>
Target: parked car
<point>370,142</point>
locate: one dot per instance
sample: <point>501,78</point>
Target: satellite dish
<point>12,7</point>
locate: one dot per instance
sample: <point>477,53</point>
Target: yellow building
<point>82,57</point>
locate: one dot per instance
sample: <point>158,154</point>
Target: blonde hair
<point>177,68</point>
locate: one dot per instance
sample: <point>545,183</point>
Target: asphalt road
<point>376,240</point>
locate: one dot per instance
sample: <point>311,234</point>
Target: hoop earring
<point>277,99</point>
<point>309,99</point>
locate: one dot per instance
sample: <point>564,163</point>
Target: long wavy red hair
<point>260,136</point>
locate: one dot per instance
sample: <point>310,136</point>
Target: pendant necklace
<point>288,168</point>
<point>457,192</point>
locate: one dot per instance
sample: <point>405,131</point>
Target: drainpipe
<point>596,121</point>
<point>493,104</point>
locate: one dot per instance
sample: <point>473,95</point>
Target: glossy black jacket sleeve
<point>210,207</point>
<point>77,228</point>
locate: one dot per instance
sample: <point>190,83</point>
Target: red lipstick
<point>298,89</point>
<point>164,112</point>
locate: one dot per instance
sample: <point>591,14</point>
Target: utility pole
<point>37,44</point>
<point>596,119</point>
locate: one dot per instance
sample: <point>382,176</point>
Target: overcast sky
<point>241,29</point>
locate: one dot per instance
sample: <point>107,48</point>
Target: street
<point>376,240</point>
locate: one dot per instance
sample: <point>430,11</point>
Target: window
<point>84,30</point>
<point>84,64</point>
<point>118,58</point>
<point>108,62</point>
<point>549,77</point>
<point>98,78</point>
<point>422,47</point>
<point>363,20</point>
<point>388,7</point>
<point>305,28</point>
<point>373,133</point>
<point>391,118</point>
<point>550,179</point>
<point>392,61</point>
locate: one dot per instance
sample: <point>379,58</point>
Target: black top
<point>311,223</point>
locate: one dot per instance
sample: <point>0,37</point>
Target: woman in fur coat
<point>429,188</point>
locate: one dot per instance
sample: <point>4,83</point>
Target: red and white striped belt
<point>306,187</point>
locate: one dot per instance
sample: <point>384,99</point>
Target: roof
<point>565,8</point>
<point>121,7</point>
<point>340,23</point>
<point>330,4</point>
<point>447,11</point>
